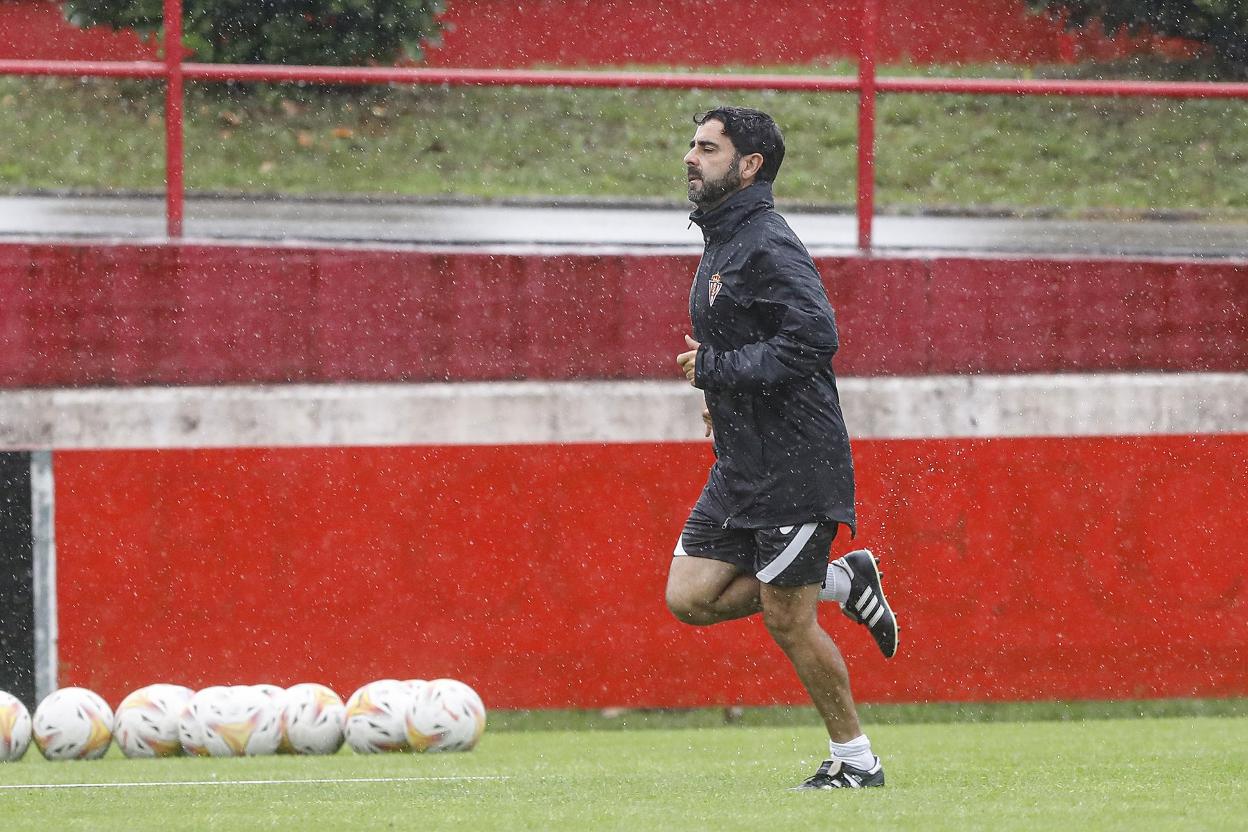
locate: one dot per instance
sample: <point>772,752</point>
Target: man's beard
<point>713,191</point>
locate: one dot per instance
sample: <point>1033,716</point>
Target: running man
<point>760,535</point>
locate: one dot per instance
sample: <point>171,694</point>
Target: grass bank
<point>877,714</point>
<point>960,153</point>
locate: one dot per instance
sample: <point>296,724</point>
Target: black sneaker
<point>867,604</point>
<point>833,774</point>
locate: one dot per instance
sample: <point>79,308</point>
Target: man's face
<point>712,166</point>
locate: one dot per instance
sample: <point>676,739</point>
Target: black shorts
<point>785,556</point>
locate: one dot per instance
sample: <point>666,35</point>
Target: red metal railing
<point>866,120</point>
<point>174,72</point>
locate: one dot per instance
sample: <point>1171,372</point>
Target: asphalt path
<point>595,226</point>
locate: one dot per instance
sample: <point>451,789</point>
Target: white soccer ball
<point>271,691</point>
<point>242,721</point>
<point>376,717</point>
<point>73,724</point>
<point>415,686</point>
<point>190,723</point>
<point>445,715</point>
<point>14,728</point>
<point>313,719</point>
<point>146,722</point>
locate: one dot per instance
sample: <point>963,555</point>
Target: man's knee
<point>782,626</point>
<point>789,624</point>
<point>688,609</point>
<point>694,586</point>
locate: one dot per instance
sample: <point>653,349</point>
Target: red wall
<point>507,33</point>
<point>1065,567</point>
<point>748,33</point>
<point>92,314</point>
<point>1105,568</point>
<point>37,29</point>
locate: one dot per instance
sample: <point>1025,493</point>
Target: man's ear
<point>751,165</point>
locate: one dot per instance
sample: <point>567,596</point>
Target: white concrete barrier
<point>577,412</point>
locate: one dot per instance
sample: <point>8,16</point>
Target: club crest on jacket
<point>715,285</point>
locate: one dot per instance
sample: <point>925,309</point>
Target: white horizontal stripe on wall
<point>1108,404</point>
<point>508,413</point>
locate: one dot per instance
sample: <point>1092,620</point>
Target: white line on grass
<point>244,782</point>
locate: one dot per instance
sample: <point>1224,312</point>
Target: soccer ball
<point>14,728</point>
<point>146,722</point>
<point>376,717</point>
<point>241,721</point>
<point>190,723</point>
<point>271,691</point>
<point>445,715</point>
<point>73,724</point>
<point>312,720</point>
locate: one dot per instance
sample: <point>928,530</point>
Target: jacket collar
<point>722,221</point>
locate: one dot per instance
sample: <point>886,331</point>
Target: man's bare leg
<point>704,591</point>
<point>789,613</point>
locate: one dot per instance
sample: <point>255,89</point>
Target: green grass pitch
<point>1137,774</point>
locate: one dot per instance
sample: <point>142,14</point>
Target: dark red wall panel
<point>367,316</point>
<point>136,305</point>
<point>882,312</point>
<point>244,309</point>
<point>1021,569</point>
<point>980,317</point>
<point>87,314</point>
<point>17,353</point>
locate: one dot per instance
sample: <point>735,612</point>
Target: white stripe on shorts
<point>769,572</point>
<point>680,546</point>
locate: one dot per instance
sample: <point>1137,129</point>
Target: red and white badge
<point>715,285</point>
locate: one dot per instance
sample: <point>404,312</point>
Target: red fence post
<point>866,121</point>
<point>174,190</point>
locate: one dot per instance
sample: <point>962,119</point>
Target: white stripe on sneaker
<point>863,599</point>
<point>875,618</point>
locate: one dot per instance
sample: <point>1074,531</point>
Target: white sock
<point>836,585</point>
<point>856,752</point>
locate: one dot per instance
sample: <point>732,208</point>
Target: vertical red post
<point>866,120</point>
<point>174,151</point>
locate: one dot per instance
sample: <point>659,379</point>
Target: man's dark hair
<point>751,131</point>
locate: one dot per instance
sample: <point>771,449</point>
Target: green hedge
<point>319,32</point>
<point>1222,25</point>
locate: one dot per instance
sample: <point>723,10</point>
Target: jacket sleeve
<point>789,295</point>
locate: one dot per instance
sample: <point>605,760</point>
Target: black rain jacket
<point>767,334</point>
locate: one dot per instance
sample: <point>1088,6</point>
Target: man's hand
<point>706,420</point>
<point>688,360</point>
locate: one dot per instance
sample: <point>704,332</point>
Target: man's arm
<point>686,361</point>
<point>803,347</point>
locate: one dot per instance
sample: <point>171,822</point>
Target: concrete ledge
<point>513,413</point>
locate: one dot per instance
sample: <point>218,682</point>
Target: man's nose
<point>689,158</point>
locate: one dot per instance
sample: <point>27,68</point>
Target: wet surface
<point>295,220</point>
